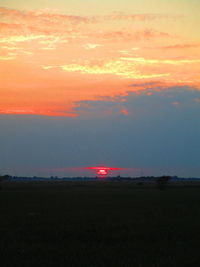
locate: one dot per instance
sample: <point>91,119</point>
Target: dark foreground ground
<point>97,224</point>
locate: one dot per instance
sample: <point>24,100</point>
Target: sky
<point>90,83</point>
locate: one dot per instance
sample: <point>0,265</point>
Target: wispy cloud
<point>47,29</point>
<point>131,35</point>
<point>182,46</point>
<point>42,111</point>
<point>21,38</point>
<point>116,67</point>
<point>48,22</point>
<point>124,111</point>
<point>6,58</point>
<point>89,46</point>
<point>45,15</point>
<point>56,14</point>
<point>140,16</point>
<point>161,61</point>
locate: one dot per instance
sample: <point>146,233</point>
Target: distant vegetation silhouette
<point>162,182</point>
<point>4,178</point>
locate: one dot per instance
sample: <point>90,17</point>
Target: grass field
<point>96,224</point>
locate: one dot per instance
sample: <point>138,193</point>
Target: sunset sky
<point>85,83</point>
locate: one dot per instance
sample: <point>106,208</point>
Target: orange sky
<point>51,59</point>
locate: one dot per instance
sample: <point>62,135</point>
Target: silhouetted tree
<point>162,182</point>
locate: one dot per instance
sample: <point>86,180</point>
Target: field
<point>97,224</point>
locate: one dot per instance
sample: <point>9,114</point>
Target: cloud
<point>131,35</point>
<point>102,108</point>
<point>10,28</point>
<point>16,23</point>
<point>136,68</point>
<point>21,38</point>
<point>10,48</point>
<point>146,84</point>
<point>150,98</point>
<point>89,46</point>
<point>114,67</point>
<point>161,61</point>
<point>45,15</point>
<point>50,30</point>
<point>42,111</point>
<point>47,48</point>
<point>6,58</point>
<point>181,46</point>
<point>153,87</point>
<point>51,22</point>
<point>124,111</point>
<point>6,54</point>
<point>140,16</point>
<point>55,13</point>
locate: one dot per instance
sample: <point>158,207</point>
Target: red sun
<point>102,172</point>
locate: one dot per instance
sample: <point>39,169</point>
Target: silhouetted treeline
<point>5,177</point>
<point>158,179</point>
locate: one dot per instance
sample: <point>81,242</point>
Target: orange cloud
<point>181,46</point>
<point>42,15</point>
<point>124,111</point>
<point>130,36</point>
<point>50,22</point>
<point>139,17</point>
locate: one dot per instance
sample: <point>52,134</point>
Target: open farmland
<point>100,223</point>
